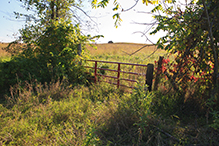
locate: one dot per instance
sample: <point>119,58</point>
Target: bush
<point>52,57</point>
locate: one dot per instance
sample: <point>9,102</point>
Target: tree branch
<point>84,13</point>
<point>131,6</point>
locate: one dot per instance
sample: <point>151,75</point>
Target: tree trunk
<point>214,49</point>
<point>57,9</point>
<point>52,6</point>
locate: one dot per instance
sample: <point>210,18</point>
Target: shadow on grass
<point>163,120</point>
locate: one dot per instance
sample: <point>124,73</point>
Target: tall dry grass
<point>3,53</point>
<point>121,49</point>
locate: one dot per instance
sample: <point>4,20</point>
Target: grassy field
<point>59,113</point>
<point>116,52</point>
<point>3,53</point>
<point>119,48</point>
<point>124,52</point>
<point>121,52</point>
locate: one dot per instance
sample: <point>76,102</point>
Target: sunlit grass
<point>3,54</point>
<point>58,114</point>
<point>124,52</point>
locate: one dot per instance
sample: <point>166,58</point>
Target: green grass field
<point>58,113</point>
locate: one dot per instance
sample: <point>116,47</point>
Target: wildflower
<point>164,61</point>
<point>164,69</point>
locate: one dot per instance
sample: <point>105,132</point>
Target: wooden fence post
<point>79,52</point>
<point>158,72</point>
<point>149,76</point>
<point>79,49</point>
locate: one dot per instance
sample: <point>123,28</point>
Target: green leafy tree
<point>54,33</point>
<point>50,44</point>
<point>41,13</point>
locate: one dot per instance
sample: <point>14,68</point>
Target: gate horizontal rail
<point>149,73</point>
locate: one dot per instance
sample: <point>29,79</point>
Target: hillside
<point>125,49</point>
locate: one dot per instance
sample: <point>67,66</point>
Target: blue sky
<point>9,26</point>
<point>103,17</point>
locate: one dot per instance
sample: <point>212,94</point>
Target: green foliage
<point>58,47</point>
<point>188,37</point>
<point>193,73</point>
<point>33,121</point>
<point>54,56</point>
<point>141,101</point>
<point>44,12</point>
<point>21,69</point>
<point>213,110</point>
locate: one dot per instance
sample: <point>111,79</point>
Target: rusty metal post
<point>149,76</point>
<point>118,76</point>
<point>95,72</point>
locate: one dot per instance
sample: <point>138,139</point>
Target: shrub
<point>54,56</point>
